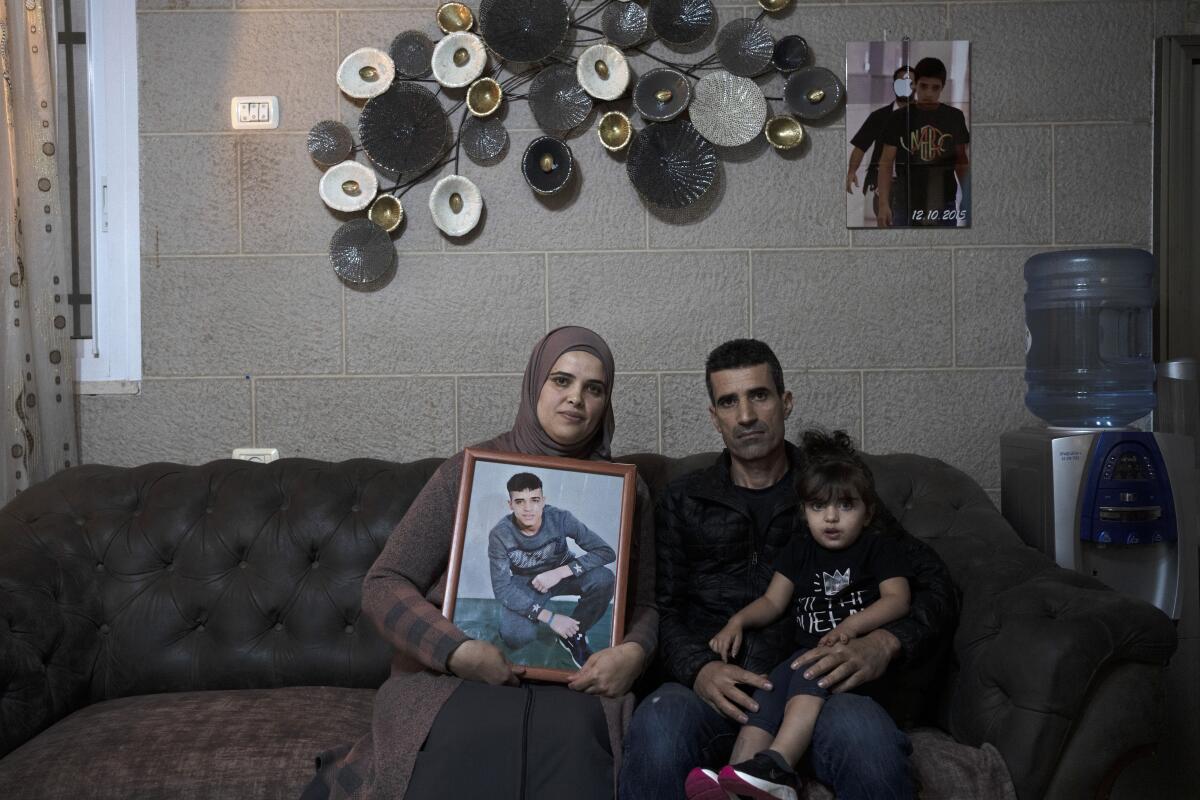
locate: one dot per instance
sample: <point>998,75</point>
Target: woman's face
<point>573,399</point>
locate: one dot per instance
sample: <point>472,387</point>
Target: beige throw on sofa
<point>38,406</point>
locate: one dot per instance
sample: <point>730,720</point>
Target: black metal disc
<point>681,21</point>
<point>412,52</point>
<point>361,251</point>
<point>745,47</point>
<point>813,93</point>
<point>558,102</point>
<point>404,130</point>
<point>671,164</point>
<point>547,165</point>
<point>624,24</point>
<point>646,94</point>
<point>330,142</point>
<point>483,138</point>
<point>523,30</point>
<point>790,54</point>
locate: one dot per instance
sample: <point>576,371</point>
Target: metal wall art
<point>545,52</point>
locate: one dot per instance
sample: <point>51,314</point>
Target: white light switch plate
<point>260,455</point>
<point>254,112</point>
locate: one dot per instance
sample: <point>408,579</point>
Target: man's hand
<point>717,685</point>
<point>474,660</point>
<point>547,580</point>
<point>728,640</point>
<point>564,626</point>
<point>610,672</point>
<point>851,181</point>
<point>884,217</point>
<point>843,666</point>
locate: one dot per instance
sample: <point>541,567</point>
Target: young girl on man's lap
<point>841,579</point>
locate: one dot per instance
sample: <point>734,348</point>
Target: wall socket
<point>259,455</point>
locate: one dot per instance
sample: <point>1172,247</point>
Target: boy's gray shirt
<point>512,553</point>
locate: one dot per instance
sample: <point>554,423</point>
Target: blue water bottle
<point>1089,359</point>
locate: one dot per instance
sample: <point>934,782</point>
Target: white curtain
<point>38,413</point>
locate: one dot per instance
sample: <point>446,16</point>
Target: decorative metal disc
<point>671,164</point>
<point>411,52</point>
<point>404,129</point>
<point>483,139</point>
<point>523,30</point>
<point>361,251</point>
<point>624,24</point>
<point>813,93</point>
<point>366,72</point>
<point>558,102</point>
<point>547,165</point>
<point>348,186</point>
<point>614,131</point>
<point>681,21</point>
<point>661,94</point>
<point>456,205</point>
<point>458,59</point>
<point>791,53</point>
<point>329,142</point>
<point>728,110</point>
<point>603,72</point>
<point>745,47</point>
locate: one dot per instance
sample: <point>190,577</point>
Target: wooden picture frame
<point>513,548</point>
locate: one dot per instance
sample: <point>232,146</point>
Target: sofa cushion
<point>246,743</point>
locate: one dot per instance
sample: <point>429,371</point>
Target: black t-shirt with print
<point>926,143</point>
<point>830,585</point>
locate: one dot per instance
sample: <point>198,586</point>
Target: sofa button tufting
<point>278,626</point>
<point>208,510</point>
<point>170,566</point>
<point>354,507</point>
<point>79,520</point>
<point>284,505</point>
<point>104,628</point>
<point>99,568</point>
<point>200,627</point>
<point>241,565</point>
<point>349,629</point>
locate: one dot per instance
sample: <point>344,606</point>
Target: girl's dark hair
<point>833,470</point>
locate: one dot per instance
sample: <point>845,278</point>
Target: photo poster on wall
<point>908,134</point>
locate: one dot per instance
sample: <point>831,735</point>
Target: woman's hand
<point>728,640</point>
<point>474,660</point>
<point>612,671</point>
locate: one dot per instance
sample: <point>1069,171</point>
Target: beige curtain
<point>38,413</point>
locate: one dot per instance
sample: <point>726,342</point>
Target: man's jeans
<point>595,590</point>
<point>857,750</point>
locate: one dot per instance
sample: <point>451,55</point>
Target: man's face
<point>748,411</point>
<point>929,92</point>
<point>526,506</point>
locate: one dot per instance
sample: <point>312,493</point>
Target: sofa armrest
<point>1033,655</point>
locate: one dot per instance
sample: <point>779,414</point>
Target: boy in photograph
<point>870,137</point>
<point>530,563</point>
<point>928,144</point>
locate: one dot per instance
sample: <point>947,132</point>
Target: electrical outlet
<point>259,455</point>
<point>248,113</point>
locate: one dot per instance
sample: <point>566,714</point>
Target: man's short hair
<point>930,67</point>
<point>903,69</point>
<point>523,481</point>
<point>739,353</point>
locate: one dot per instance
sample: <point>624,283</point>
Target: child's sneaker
<point>702,784</point>
<point>761,778</point>
<point>577,648</point>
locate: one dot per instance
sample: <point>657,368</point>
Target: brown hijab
<point>527,433</point>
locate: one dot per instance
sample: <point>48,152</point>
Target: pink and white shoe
<point>760,778</point>
<point>702,784</point>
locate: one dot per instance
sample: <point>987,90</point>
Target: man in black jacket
<point>718,532</point>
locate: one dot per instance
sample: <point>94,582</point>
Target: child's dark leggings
<point>787,683</point>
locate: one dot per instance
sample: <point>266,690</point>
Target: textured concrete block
<point>1089,61</point>
<point>1011,194</point>
<point>1170,17</point>
<point>989,307</point>
<point>188,421</point>
<point>399,419</point>
<point>656,310</point>
<point>597,210</point>
<point>449,313</point>
<point>956,416</point>
<point>181,5</point>
<point>282,211</point>
<point>635,405</point>
<point>829,400</point>
<point>841,308</point>
<point>1103,181</point>
<point>189,194</point>
<point>241,316</point>
<point>191,65</point>
<point>762,197</point>
<point>487,406</point>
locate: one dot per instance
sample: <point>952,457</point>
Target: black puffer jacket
<point>711,564</point>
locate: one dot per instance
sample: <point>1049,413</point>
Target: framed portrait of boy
<point>540,557</point>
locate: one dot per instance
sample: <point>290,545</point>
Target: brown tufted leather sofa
<point>195,632</point>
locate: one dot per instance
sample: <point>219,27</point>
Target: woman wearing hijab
<point>453,720</point>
